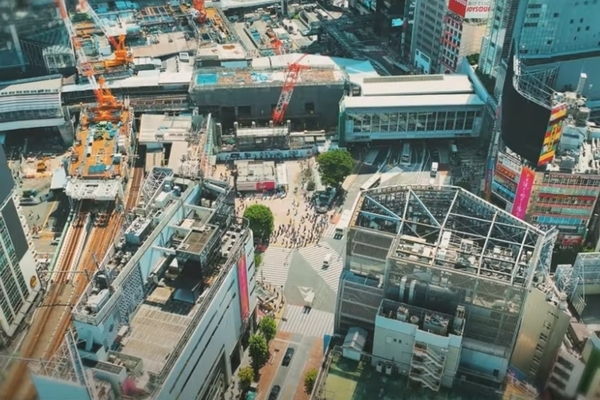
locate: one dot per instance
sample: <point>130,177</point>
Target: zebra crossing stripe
<point>275,266</point>
<point>315,256</point>
<point>307,322</point>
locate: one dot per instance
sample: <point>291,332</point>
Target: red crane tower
<point>201,9</point>
<point>291,78</point>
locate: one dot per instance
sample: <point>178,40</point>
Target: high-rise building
<point>445,32</point>
<point>165,314</point>
<point>565,182</point>
<point>448,286</point>
<point>19,283</point>
<point>556,36</point>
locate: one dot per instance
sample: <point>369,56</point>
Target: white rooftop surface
<point>233,4</point>
<point>414,84</point>
<point>178,151</point>
<point>169,128</point>
<point>313,60</point>
<point>371,102</point>
<point>31,86</point>
<point>176,73</point>
<point>154,334</point>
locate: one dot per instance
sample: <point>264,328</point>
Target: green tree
<point>268,328</point>
<point>261,220</point>
<point>246,375</point>
<point>309,380</point>
<point>257,259</point>
<point>258,350</point>
<point>335,166</point>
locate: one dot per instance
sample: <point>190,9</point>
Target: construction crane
<point>122,56</point>
<point>103,95</point>
<point>291,78</point>
<point>200,8</point>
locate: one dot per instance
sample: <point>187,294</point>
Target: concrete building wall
<point>543,327</point>
<point>566,374</point>
<point>427,30</point>
<point>323,99</point>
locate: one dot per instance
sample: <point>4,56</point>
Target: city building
<point>559,38</point>
<point>19,283</point>
<point>576,370</point>
<point>564,185</point>
<point>259,176</point>
<point>445,32</point>
<point>410,107</point>
<point>34,103</point>
<point>248,95</point>
<point>167,310</point>
<point>453,291</point>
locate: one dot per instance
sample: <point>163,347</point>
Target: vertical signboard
<point>243,286</point>
<point>523,193</point>
<point>553,134</point>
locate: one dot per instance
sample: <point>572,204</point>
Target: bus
<point>342,225</point>
<point>405,158</point>
<point>434,170</point>
<point>373,181</point>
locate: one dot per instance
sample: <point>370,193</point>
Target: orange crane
<point>277,45</point>
<point>201,9</point>
<point>291,78</point>
<point>122,56</point>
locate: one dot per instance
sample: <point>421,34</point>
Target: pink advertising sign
<point>523,193</point>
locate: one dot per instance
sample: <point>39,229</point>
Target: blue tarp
<point>207,79</point>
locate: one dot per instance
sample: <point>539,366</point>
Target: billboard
<point>243,286</point>
<point>470,9</point>
<point>523,193</point>
<point>571,241</point>
<point>553,134</point>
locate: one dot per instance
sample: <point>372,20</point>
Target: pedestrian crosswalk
<point>314,256</point>
<point>307,322</point>
<point>275,266</point>
<point>329,232</point>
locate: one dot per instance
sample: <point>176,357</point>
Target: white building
<point>410,107</point>
<point>166,311</point>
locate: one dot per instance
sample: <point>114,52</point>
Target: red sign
<point>571,240</point>
<point>267,185</point>
<point>243,286</point>
<point>458,7</point>
<point>523,194</point>
<point>505,171</point>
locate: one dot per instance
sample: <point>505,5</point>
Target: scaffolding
<point>153,184</point>
<point>453,248</point>
<point>535,84</point>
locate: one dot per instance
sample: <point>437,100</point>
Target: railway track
<point>42,334</point>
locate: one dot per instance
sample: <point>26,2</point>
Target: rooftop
<point>164,128</point>
<point>432,100</point>
<point>35,86</point>
<point>414,85</point>
<point>101,143</point>
<point>450,230</point>
<point>348,379</point>
<point>230,51</point>
<point>254,171</point>
<point>187,253</point>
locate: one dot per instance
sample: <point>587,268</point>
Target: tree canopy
<point>309,380</point>
<point>268,328</point>
<point>335,166</point>
<point>246,375</point>
<point>261,220</point>
<point>258,350</point>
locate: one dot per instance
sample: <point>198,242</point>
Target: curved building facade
<point>524,123</point>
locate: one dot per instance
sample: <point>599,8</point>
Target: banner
<point>523,193</point>
<point>470,9</point>
<point>553,134</point>
<point>243,286</point>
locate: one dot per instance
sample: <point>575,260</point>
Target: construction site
<point>253,94</point>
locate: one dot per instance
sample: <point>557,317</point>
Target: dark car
<point>287,358</point>
<point>274,392</point>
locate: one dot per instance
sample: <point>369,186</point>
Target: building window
<point>561,373</point>
<point>568,365</point>
<point>388,339</point>
<point>560,385</point>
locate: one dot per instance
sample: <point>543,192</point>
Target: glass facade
<point>13,288</point>
<point>411,125</point>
